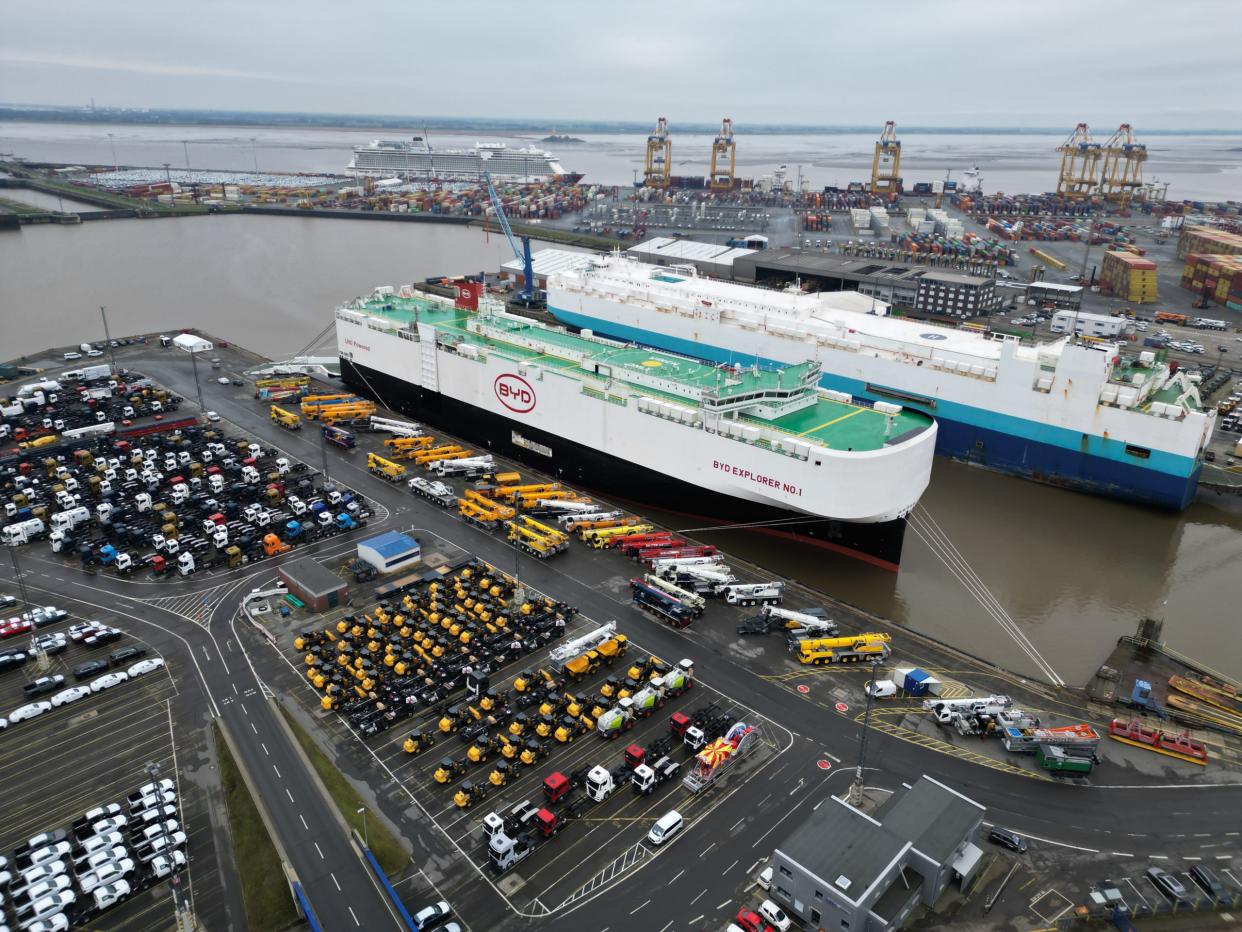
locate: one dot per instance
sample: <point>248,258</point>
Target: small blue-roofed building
<point>390,551</point>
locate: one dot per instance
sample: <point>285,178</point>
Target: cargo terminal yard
<point>452,760</point>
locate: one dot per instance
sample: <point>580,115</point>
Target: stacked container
<point>1208,241</point>
<point>1130,277</point>
<point>1218,278</point>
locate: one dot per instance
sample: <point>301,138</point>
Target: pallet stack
<point>1218,278</point>
<point>1208,241</point>
<point>1130,277</point>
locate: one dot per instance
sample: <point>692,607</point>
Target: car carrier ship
<point>759,446</point>
<point>416,158</point>
<point>1072,412</point>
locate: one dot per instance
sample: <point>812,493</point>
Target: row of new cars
<point>63,876</point>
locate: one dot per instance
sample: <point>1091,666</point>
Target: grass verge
<point>269,905</point>
<point>384,845</point>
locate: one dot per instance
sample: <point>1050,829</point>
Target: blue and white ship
<point>1072,412</point>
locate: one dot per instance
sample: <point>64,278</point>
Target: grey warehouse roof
<point>311,578</point>
<point>839,841</point>
<point>932,816</point>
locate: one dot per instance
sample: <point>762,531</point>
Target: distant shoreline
<point>28,114</point>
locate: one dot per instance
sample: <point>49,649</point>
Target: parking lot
<point>602,841</point>
<point>119,731</point>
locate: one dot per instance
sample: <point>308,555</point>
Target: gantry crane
<point>1080,163</point>
<point>1123,165</point>
<point>724,158</point>
<point>658,171</point>
<point>886,166</point>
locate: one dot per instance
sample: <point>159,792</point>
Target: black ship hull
<point>879,544</point>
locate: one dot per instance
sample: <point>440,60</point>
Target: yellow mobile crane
<point>724,158</point>
<point>286,419</point>
<point>385,469</point>
<point>1123,166</point>
<point>657,172</point>
<point>404,448</point>
<point>886,165</point>
<point>852,649</point>
<point>1080,163</point>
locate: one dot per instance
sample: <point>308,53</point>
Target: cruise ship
<point>1071,412</point>
<point>754,446</point>
<point>416,158</point>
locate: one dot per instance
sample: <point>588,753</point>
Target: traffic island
<point>386,847</point>
<point>269,908</point>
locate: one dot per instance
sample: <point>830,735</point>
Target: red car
<point>14,626</point>
<point>751,921</point>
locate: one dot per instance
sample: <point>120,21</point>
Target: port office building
<point>874,870</point>
<point>912,287</point>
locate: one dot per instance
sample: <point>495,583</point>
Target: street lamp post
<point>198,389</point>
<point>182,918</point>
<point>112,142</point>
<point>856,788</point>
<point>185,144</point>
<point>108,338</point>
<point>254,152</point>
<point>366,838</point>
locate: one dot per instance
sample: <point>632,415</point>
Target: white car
<point>161,845</point>
<point>48,906</point>
<point>102,842</point>
<point>111,894</point>
<point>101,812</point>
<point>149,665</point>
<point>162,866</point>
<point>212,416</point>
<point>69,357</point>
<point>108,680</point>
<point>775,916</point>
<point>223,380</point>
<point>109,873</point>
<point>143,804</point>
<point>764,880</point>
<point>34,875</point>
<point>94,353</point>
<point>155,831</point>
<point>29,711</point>
<point>48,854</point>
<point>45,888</point>
<point>110,824</point>
<point>147,816</point>
<point>72,694</point>
<point>53,923</point>
<point>94,862</point>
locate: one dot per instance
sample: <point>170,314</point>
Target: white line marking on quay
<point>319,851</point>
<point>304,825</point>
<point>335,881</point>
<point>674,880</point>
<point>639,906</point>
<point>277,769</point>
<point>699,897</point>
<point>352,916</point>
<point>287,793</point>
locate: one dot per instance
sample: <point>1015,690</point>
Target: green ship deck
<point>833,424</point>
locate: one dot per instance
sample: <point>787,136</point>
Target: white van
<point>668,825</point>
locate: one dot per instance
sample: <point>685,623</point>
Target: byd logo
<point>514,393</point>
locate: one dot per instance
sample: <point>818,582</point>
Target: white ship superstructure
<point>1070,412</point>
<point>415,158</point>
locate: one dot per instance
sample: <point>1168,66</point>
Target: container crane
<point>1123,166</point>
<point>886,165</point>
<point>659,165</point>
<point>724,158</point>
<point>1080,163</point>
<point>525,297</point>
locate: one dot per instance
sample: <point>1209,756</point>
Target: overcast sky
<point>1155,63</point>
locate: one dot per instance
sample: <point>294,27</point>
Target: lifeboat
<point>1182,746</point>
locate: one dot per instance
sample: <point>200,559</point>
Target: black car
<point>106,636</point>
<point>44,684</point>
<point>12,659</point>
<point>84,671</point>
<point>1011,840</point>
<point>7,601</point>
<point>118,657</point>
<point>1211,885</point>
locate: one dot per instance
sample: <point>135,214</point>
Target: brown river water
<point>1070,572</point>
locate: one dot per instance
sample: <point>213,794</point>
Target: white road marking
<point>278,776</point>
<point>206,655</point>
<point>317,848</point>
<point>674,880</point>
<point>1158,857</point>
<point>730,867</point>
<point>287,793</point>
<point>1121,854</point>
<point>264,746</point>
<point>252,728</point>
<point>352,916</point>
<point>639,906</point>
<point>303,818</point>
<point>697,898</point>
<point>335,881</point>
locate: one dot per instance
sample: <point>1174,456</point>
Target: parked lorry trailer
<point>434,491</point>
<point>695,602</point>
<point>660,604</point>
<point>766,593</point>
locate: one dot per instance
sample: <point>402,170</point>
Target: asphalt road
<point>1172,820</point>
